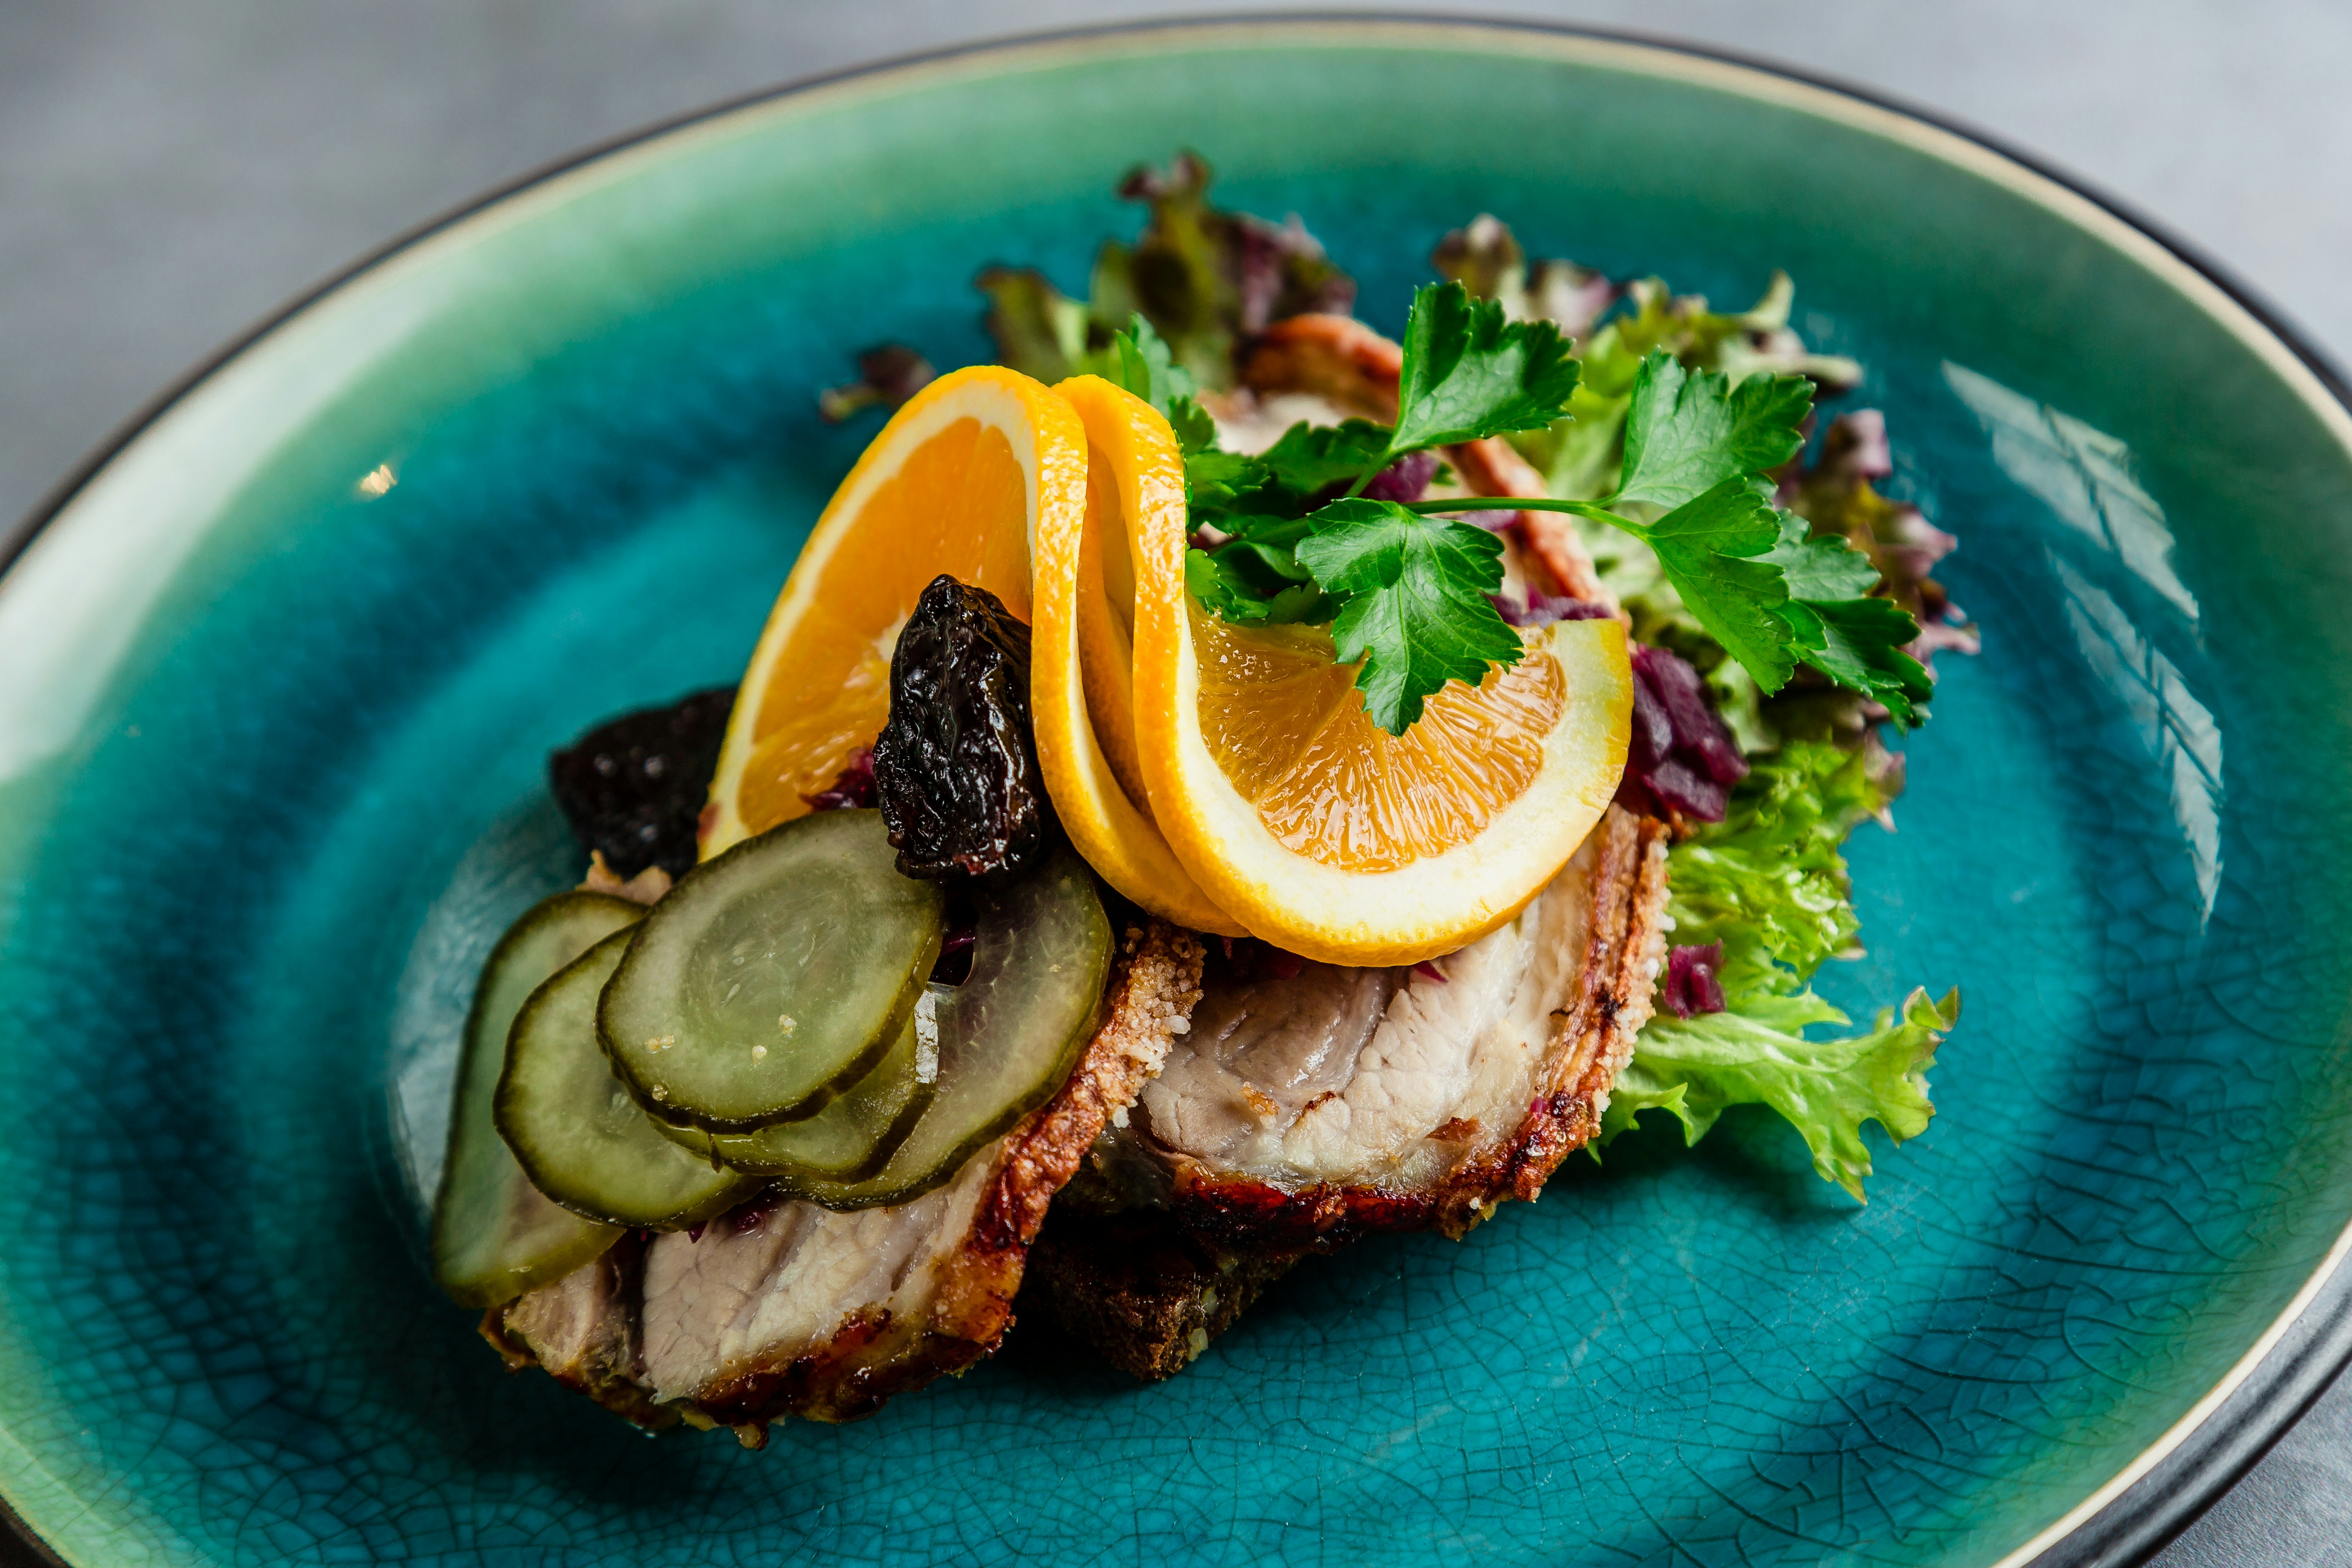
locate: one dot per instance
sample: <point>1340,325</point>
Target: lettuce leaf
<point>1205,278</point>
<point>1769,884</point>
<point>1767,881</point>
<point>1755,1053</point>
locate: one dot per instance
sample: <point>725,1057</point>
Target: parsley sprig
<point>1406,589</point>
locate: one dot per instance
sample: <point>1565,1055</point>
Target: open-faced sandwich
<point>1217,785</point>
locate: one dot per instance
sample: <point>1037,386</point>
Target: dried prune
<point>633,786</point>
<point>955,769</point>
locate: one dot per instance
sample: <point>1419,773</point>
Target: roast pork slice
<point>787,1308</point>
<point>584,1329</point>
<point>1310,1104</point>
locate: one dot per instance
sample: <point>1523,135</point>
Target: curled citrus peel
<point>1080,696</point>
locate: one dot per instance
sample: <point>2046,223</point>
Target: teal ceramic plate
<point>276,682</point>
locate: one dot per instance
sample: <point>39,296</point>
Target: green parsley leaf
<point>1272,562</point>
<point>1856,640</point>
<point>1278,530</point>
<point>1469,372</point>
<point>1312,457</point>
<point>1253,585</point>
<point>1194,429</point>
<point>1216,480</point>
<point>1415,610</point>
<point>1212,589</point>
<point>1146,368</point>
<point>1859,643</point>
<point>1820,567</point>
<point>1705,547</point>
<point>1687,434</point>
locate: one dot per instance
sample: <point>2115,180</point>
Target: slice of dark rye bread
<point>1138,1289</point>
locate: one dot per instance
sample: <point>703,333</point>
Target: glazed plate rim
<point>2268,1388</point>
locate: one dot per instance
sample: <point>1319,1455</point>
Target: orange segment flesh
<point>1286,727</point>
<point>956,482</point>
<point>807,751</point>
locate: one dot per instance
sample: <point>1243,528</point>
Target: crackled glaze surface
<point>269,761</point>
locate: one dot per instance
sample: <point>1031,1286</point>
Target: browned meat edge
<point>870,1362</point>
<point>603,1372</point>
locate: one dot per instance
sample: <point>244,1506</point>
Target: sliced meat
<point>792,1310</point>
<point>1549,543</point>
<point>1337,358</point>
<point>800,1311</point>
<point>1308,1110</point>
<point>1353,370</point>
<point>584,1329</point>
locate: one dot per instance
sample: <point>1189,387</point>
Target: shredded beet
<point>853,787</point>
<point>1404,480</point>
<point>745,1217</point>
<point>953,966</point>
<point>1654,728</point>
<point>1543,609</point>
<point>1699,735</point>
<point>1283,965</point>
<point>1426,970</point>
<point>1675,783</point>
<point>1691,986</point>
<point>1681,756</point>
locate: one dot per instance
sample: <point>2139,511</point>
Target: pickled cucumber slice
<point>850,1138</point>
<point>494,1236</point>
<point>1008,1035</point>
<point>579,1136</point>
<point>772,978</point>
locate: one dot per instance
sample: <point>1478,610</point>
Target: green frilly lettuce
<point>1768,882</point>
<point>1755,1052</point>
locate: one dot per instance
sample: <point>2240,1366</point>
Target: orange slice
<point>1326,835</point>
<point>974,469</point>
<point>1080,689</point>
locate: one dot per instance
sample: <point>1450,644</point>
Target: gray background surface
<point>171,172</point>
